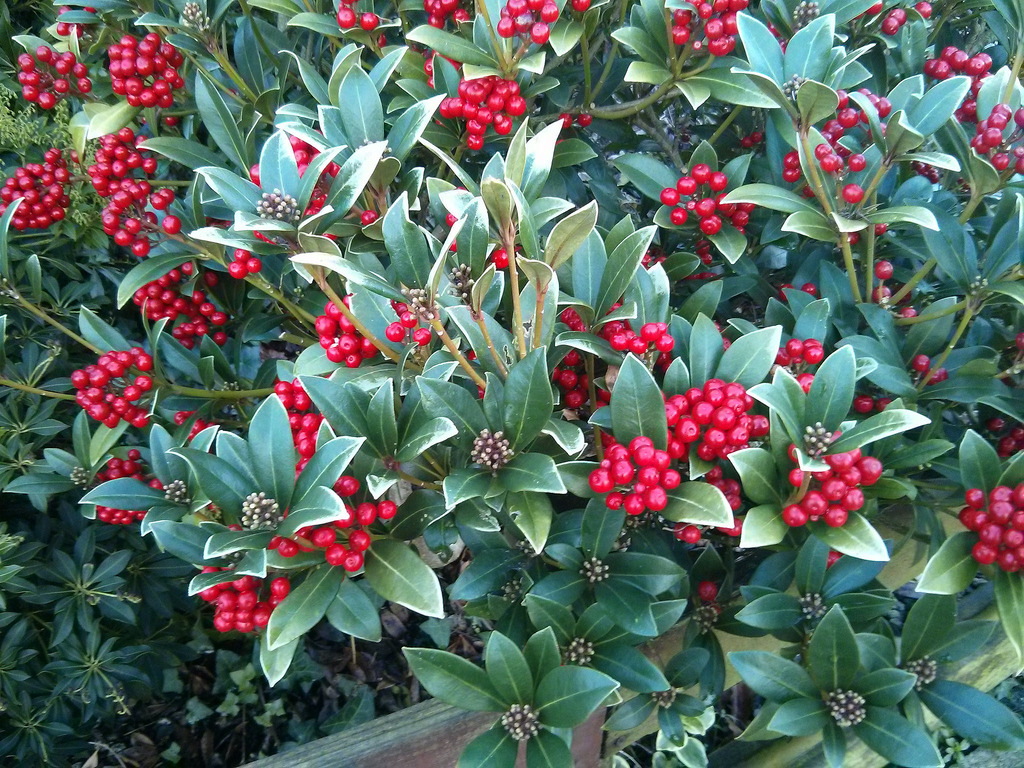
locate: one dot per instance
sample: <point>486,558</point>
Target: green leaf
<point>273,450</point>
<point>362,117</point>
<point>952,568</point>
<point>772,612</point>
<point>398,574</point>
<point>927,624</point>
<point>222,126</point>
<point>122,493</point>
<point>897,739</point>
<point>833,654</point>
<point>812,224</point>
<point>646,173</point>
<point>531,472</point>
<point>108,118</point>
<point>623,262</point>
<point>628,606</point>
<point>938,104</point>
<point>410,125</point>
<point>532,514</point>
<point>494,746</point>
<point>225,485</point>
<point>758,475</point>
<point>326,465</point>
<point>772,676</point>
<point>807,53</point>
<point>353,613</point>
<point>528,399</point>
<point>889,422</point>
<point>99,333</point>
<point>856,537</point>
<point>832,390</point>
<point>749,359</point>
<point>769,196</point>
<point>815,101</point>
<point>979,462</point>
<point>763,526</point>
<point>444,398</point>
<point>451,46</point>
<point>904,214</point>
<point>541,652</point>
<point>429,434</point>
<point>631,668</point>
<point>698,502</point>
<point>567,696</point>
<point>885,687</point>
<point>761,47</point>
<point>507,670</point>
<point>547,750</point>
<point>599,529</point>
<point>454,680</point>
<point>569,234</point>
<point>974,715</point>
<point>237,193</point>
<point>1010,602</point>
<point>638,407</point>
<point>304,606</point>
<point>548,613</point>
<point>799,717</point>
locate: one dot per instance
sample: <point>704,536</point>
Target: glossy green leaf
<point>897,740</point>
<point>567,696</point>
<point>833,654</point>
<point>304,606</point>
<point>637,405</point>
<point>952,568</point>
<point>454,680</point>
<point>398,574</point>
<point>507,670</point>
<point>772,676</point>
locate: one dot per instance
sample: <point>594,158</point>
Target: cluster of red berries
<point>162,298</point>
<point>583,120</point>
<point>848,117</point>
<point>718,19</point>
<point>652,336</point>
<point>439,11</point>
<point>304,153</point>
<point>705,188</point>
<point>865,404</point>
<point>238,605</point>
<point>482,102</point>
<point>636,478</point>
<point>571,379</point>
<point>953,61</point>
<point>303,421</point>
<point>752,139</point>
<point>930,172</point>
<point>809,288</point>
<point>995,135</point>
<point>716,418</point>
<point>145,71</point>
<point>528,19</point>
<point>796,353</point>
<point>125,217</point>
<point>1010,443</point>
<point>832,494</point>
<point>64,29</point>
<point>348,18</point>
<point>116,468</point>
<point>999,522</point>
<point>108,391</point>
<point>52,76</point>
<point>325,537</point>
<point>41,186</point>
<point>243,264</point>
<point>922,365</point>
<point>893,21</point>
<point>406,328</point>
<point>180,417</point>
<point>339,338</point>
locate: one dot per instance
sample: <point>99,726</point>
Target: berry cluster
<point>339,338</point>
<point>348,18</point>
<point>796,353</point>
<point>439,11</point>
<point>716,20</point>
<point>52,76</point>
<point>528,20</point>
<point>996,135</point>
<point>146,71</point>
<point>652,336</point>
<point>893,21</point>
<point>999,522</point>
<point>752,139</point>
<point>162,298</point>
<point>180,417</point>
<point>636,478</point>
<point>832,494</point>
<point>865,404</point>
<point>953,61</point>
<point>325,537</point>
<point>238,605</point>
<point>482,102</point>
<point>571,379</point>
<point>1010,443</point>
<point>115,468</point>
<point>809,288</point>
<point>582,120</point>
<point>406,329</point>
<point>716,418</point>
<point>125,217</point>
<point>244,264</point>
<point>41,186</point>
<point>848,117</point>
<point>303,421</point>
<point>64,29</point>
<point>705,188</point>
<point>108,391</point>
<point>922,365</point>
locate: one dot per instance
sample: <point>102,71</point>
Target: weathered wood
<point>428,735</point>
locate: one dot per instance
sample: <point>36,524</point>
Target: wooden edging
<point>432,734</point>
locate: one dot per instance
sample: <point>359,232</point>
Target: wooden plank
<point>427,735</point>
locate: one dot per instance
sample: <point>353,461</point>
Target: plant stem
<point>490,344</point>
<point>630,108</point>
<point>538,318</point>
<point>1018,62</point>
<point>585,52</point>
<point>417,481</point>
<point>35,390</point>
<point>592,395</point>
<point>45,317</point>
<point>508,243</point>
<point>439,329</point>
<point>927,267</point>
<point>481,8</point>
<point>951,310</point>
<point>851,269</point>
<point>965,321</point>
<point>725,124</point>
<point>220,394</point>
<point>968,210</point>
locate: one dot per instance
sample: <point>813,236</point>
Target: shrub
<point>624,315</point>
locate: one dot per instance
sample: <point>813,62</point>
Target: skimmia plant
<point>587,320</point>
